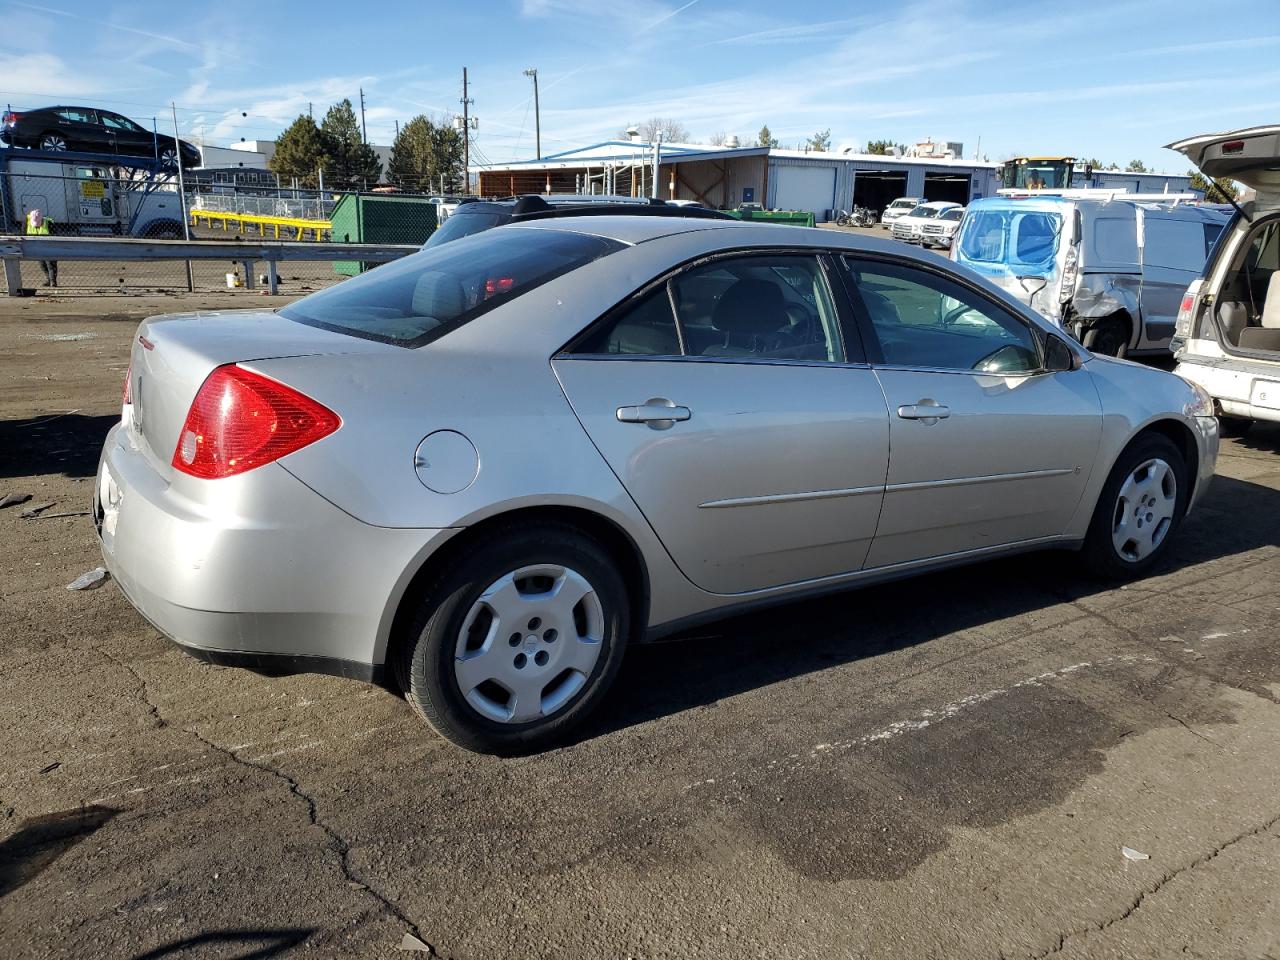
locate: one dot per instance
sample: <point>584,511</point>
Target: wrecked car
<point>1109,270</point>
<point>1227,338</point>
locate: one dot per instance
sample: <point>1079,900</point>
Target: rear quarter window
<point>1178,244</point>
<point>422,297</point>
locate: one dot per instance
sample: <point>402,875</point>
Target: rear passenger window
<point>1179,244</point>
<point>761,308</point>
<point>646,329</point>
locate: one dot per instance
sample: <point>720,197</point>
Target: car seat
<point>1266,336</point>
<point>748,310</point>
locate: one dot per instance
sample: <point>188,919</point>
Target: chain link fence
<point>87,199</point>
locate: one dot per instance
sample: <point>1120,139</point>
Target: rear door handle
<point>658,412</point>
<point>927,411</point>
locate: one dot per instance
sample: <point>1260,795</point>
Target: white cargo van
<point>87,198</point>
<point>1228,330</point>
<point>1111,270</point>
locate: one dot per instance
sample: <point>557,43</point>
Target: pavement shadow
<point>753,650</point>
<point>68,444</point>
<point>261,944</point>
<point>42,840</point>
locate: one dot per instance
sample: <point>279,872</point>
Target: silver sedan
<point>480,472</point>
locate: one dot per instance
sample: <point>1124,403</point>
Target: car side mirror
<point>1058,357</point>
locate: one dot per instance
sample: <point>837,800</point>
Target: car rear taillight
<point>496,285</point>
<point>1186,309</point>
<point>11,118</point>
<point>240,420</point>
<point>128,388</point>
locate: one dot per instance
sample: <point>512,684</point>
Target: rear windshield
<point>1016,238</point>
<point>422,297</point>
<point>464,225</point>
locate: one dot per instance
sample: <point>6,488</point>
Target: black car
<point>474,215</point>
<point>90,130</point>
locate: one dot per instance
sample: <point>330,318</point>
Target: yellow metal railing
<point>317,227</point>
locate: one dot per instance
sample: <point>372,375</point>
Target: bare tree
<point>718,139</point>
<point>671,130</point>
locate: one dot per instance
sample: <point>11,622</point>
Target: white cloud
<point>47,75</point>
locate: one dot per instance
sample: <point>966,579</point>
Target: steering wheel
<point>951,316</point>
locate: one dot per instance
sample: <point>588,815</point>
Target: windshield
<point>1015,238</point>
<point>955,213</point>
<point>902,204</point>
<point>464,225</point>
<point>413,301</point>
<point>924,213</point>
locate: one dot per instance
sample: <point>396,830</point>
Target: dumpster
<point>794,218</point>
<point>366,218</point>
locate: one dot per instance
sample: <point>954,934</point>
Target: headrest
<point>1271,306</point>
<point>750,307</point>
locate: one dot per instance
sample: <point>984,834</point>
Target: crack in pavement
<point>1191,730</point>
<point>1143,895</point>
<point>152,710</point>
<point>340,845</point>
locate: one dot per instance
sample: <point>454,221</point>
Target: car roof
<point>639,229</point>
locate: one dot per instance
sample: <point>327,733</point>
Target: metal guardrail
<point>14,249</point>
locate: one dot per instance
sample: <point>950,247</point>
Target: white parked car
<point>899,208</point>
<point>941,230</point>
<point>909,227</point>
<point>1227,335</point>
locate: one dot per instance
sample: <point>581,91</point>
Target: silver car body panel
<point>311,556</point>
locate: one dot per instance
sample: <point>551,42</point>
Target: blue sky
<point>1111,80</point>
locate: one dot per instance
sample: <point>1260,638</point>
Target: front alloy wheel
<point>54,142</point>
<point>1139,509</point>
<point>517,640</point>
<point>1144,511</point>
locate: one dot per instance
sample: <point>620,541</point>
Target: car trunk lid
<point>1250,156</point>
<point>172,355</point>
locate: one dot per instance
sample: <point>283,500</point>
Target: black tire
<point>1233,427</point>
<point>1100,557</point>
<point>425,666</point>
<point>1109,337</point>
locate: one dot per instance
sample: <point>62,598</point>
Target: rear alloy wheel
<point>1139,511</point>
<point>169,158</point>
<point>53,141</point>
<point>518,642</point>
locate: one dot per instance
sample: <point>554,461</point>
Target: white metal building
<point>726,177</point>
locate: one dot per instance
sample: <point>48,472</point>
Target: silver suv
<point>1228,328</point>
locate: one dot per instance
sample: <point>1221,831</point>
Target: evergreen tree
<point>766,139</point>
<point>820,141</point>
<point>1137,166</point>
<point>300,153</point>
<point>424,152</point>
<point>354,165</point>
<point>1218,191</point>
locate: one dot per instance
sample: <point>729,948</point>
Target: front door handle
<point>927,411</point>
<point>658,412</point>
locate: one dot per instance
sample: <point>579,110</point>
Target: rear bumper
<point>1242,388</point>
<point>262,573</point>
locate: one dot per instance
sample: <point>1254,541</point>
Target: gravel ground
<point>946,767</point>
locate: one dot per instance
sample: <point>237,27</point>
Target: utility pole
<point>309,113</point>
<point>537,115</point>
<point>466,136</point>
<point>364,132</point>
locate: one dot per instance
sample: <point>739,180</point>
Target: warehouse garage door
<point>805,188</point>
